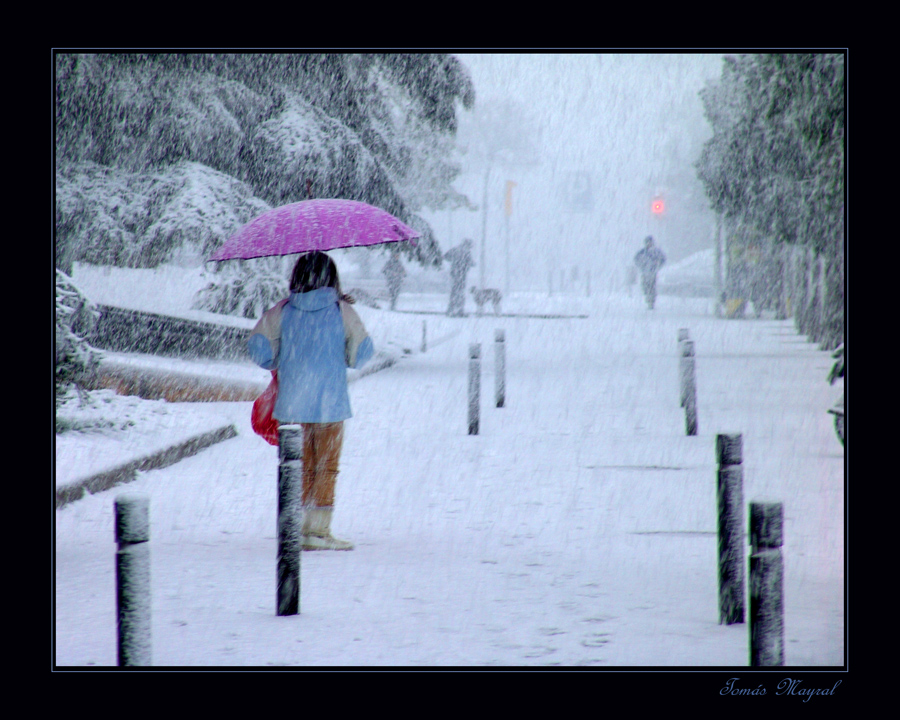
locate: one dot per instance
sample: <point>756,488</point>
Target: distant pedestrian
<point>394,272</point>
<point>460,259</point>
<point>649,260</point>
<point>310,339</point>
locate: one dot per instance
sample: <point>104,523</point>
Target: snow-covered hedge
<point>245,288</point>
<point>75,358</point>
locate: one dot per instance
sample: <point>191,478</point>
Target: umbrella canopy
<point>314,225</point>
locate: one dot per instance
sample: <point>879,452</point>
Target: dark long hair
<point>315,270</point>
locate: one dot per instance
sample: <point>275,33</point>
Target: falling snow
<point>578,527</point>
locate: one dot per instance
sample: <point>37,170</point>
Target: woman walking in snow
<point>311,338</point>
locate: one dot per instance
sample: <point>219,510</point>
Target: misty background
<point>589,141</point>
<point>556,166</point>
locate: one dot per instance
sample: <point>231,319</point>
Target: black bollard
<point>682,336</point>
<point>689,387</point>
<point>133,579</point>
<point>474,386</point>
<point>729,496</point>
<point>500,376</point>
<point>290,487</point>
<point>766,584</point>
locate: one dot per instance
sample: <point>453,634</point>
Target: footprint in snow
<point>596,640</point>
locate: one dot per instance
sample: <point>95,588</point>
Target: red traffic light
<point>657,206</point>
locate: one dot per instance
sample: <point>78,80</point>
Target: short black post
<point>133,579</point>
<point>500,376</point>
<point>682,336</point>
<point>424,345</point>
<point>689,385</point>
<point>474,386</point>
<point>766,584</point>
<point>290,487</point>
<point>729,496</point>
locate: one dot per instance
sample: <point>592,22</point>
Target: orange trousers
<point>322,443</point>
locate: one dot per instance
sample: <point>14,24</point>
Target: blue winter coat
<point>311,339</point>
<point>650,260</point>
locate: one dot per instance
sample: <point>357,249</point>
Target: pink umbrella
<point>314,225</point>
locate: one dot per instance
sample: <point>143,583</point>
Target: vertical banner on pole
<point>507,211</point>
<point>507,200</point>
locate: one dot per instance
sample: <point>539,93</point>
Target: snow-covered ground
<point>577,529</point>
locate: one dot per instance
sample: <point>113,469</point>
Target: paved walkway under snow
<point>578,527</point>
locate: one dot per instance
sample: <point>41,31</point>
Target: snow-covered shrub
<point>104,411</point>
<point>245,288</point>
<point>100,214</point>
<point>75,358</point>
<point>109,216</point>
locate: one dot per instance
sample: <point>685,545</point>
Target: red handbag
<point>261,418</point>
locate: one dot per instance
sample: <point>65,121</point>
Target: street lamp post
<point>487,175</point>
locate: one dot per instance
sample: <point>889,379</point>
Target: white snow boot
<point>317,531</point>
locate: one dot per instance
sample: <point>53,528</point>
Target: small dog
<point>483,296</point>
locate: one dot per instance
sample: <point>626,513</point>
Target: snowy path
<point>577,529</point>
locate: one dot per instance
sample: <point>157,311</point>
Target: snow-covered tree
<point>775,164</point>
<point>415,155</point>
<point>776,158</point>
<point>272,121</point>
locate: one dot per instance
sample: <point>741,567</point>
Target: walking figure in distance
<point>460,259</point>
<point>649,260</point>
<point>394,272</point>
